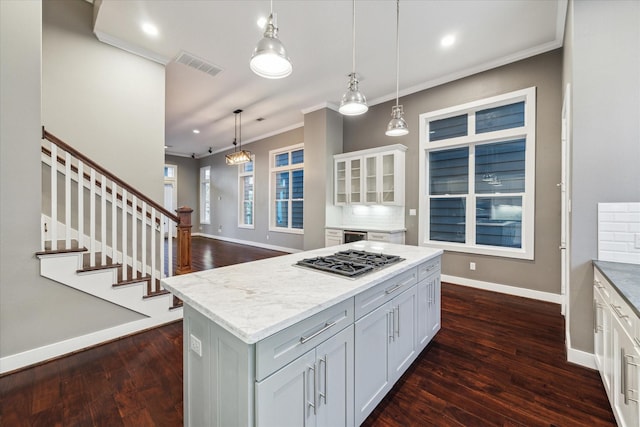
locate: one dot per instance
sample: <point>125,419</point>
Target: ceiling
<point>318,37</point>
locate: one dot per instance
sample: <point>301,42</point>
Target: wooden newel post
<point>184,240</point>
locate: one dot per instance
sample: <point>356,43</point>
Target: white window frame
<point>528,132</point>
<point>242,174</point>
<point>205,187</point>
<point>273,170</point>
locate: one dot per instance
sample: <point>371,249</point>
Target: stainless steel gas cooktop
<point>350,263</point>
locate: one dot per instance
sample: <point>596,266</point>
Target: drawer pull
<point>393,289</point>
<point>315,334</point>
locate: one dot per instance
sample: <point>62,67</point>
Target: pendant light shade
<point>242,156</point>
<point>270,59</point>
<point>397,126</point>
<point>353,101</point>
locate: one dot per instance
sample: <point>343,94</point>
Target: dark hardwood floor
<point>499,360</point>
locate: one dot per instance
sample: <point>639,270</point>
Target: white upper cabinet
<point>348,181</point>
<point>372,177</point>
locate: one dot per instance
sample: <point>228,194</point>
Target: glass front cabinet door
<point>371,177</point>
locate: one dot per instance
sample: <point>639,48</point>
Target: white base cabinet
<point>385,347</point>
<point>316,388</point>
<point>617,350</point>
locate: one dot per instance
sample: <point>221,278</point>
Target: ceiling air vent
<point>199,64</point>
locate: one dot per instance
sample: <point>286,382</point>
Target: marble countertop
<point>625,278</point>
<point>257,299</point>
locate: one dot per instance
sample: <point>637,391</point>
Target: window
<point>477,176</point>
<point>245,194</point>
<point>287,189</point>
<point>205,195</point>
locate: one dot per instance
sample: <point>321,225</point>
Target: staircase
<point>103,237</point>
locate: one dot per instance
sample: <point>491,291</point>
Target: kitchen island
<point>272,343</point>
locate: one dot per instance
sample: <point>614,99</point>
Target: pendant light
<point>242,156</point>
<point>269,59</point>
<point>397,126</point>
<point>353,101</point>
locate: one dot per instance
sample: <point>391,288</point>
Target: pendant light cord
<point>397,49</point>
<point>354,38</point>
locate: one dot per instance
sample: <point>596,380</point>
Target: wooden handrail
<point>55,140</point>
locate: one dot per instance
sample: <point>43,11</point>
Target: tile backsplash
<point>619,232</point>
<point>376,216</point>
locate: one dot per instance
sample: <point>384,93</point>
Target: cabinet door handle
<point>323,394</point>
<point>326,326</point>
<point>595,316</point>
<point>315,390</point>
<point>397,323</point>
<point>390,325</point>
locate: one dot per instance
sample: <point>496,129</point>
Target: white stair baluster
<point>170,226</point>
<point>67,201</point>
<point>54,197</point>
<point>92,219</point>
<point>163,218</point>
<point>153,247</point>
<point>114,225</point>
<point>103,220</point>
<point>134,237</point>
<point>80,204</point>
<point>143,224</point>
<point>125,242</point>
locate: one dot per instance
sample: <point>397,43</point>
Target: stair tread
<point>131,281</point>
<point>61,251</point>
<point>156,294</point>
<point>98,267</point>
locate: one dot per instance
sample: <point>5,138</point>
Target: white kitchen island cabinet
<point>268,343</point>
<point>316,388</point>
<point>385,347</point>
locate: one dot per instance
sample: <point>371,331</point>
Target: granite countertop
<point>625,278</point>
<point>257,299</point>
<point>360,228</point>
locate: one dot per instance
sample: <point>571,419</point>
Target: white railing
<point>91,208</point>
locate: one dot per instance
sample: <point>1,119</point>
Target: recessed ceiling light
<point>448,40</point>
<point>196,131</point>
<point>150,29</point>
<point>262,21</point>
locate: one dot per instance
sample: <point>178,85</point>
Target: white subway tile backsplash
<point>377,216</point>
<point>617,225</point>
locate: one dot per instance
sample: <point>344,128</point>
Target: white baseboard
<point>581,358</point>
<point>51,351</point>
<point>504,289</point>
<point>248,243</point>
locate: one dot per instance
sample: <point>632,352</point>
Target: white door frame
<point>565,202</point>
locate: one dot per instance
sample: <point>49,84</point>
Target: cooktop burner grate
<point>350,263</point>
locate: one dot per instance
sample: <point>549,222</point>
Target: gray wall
<point>33,311</point>
<point>224,195</point>
<point>323,139</point>
<point>188,181</point>
<point>105,102</point>
<point>603,50</point>
<point>542,71</point>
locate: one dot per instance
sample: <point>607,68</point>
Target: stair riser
<point>63,269</point>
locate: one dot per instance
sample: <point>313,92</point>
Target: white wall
<point>604,57</point>
<point>105,102</point>
<point>35,312</point>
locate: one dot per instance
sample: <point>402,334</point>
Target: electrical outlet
<point>195,345</point>
<point>472,266</point>
<point>412,212</point>
<point>637,242</point>
<point>220,229</point>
